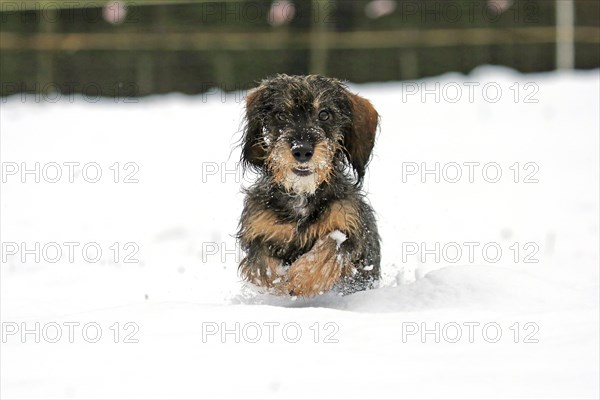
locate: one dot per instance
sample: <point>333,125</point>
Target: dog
<point>305,227</point>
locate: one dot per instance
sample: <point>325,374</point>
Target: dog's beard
<point>301,178</point>
<point>301,184</point>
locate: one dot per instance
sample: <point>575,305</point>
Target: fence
<point>144,47</point>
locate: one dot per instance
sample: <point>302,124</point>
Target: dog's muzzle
<point>302,151</point>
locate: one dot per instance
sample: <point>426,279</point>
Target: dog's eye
<point>280,116</point>
<point>324,115</point>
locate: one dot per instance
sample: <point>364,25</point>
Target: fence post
<point>565,27</point>
<point>45,59</point>
<point>318,37</point>
<point>409,64</point>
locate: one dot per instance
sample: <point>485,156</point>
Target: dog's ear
<point>360,137</point>
<point>253,152</point>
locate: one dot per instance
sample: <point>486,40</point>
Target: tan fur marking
<point>322,160</point>
<point>316,271</point>
<point>317,103</point>
<point>341,216</point>
<point>289,103</point>
<point>280,161</point>
<point>265,224</point>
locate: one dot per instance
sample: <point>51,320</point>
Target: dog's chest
<point>300,206</point>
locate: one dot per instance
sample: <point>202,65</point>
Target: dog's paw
<point>316,271</point>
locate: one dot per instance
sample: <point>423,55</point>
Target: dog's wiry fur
<point>305,227</point>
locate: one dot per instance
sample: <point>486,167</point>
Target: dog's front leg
<point>262,269</point>
<point>316,271</point>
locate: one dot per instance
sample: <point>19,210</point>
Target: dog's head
<point>297,127</point>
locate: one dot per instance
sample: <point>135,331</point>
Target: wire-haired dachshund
<point>306,227</point>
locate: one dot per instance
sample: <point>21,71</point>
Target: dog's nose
<point>302,151</point>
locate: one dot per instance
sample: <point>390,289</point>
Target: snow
<point>201,333</point>
<point>339,237</point>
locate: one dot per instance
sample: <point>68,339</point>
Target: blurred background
<point>143,47</point>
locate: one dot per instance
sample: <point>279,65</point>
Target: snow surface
<point>183,214</point>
